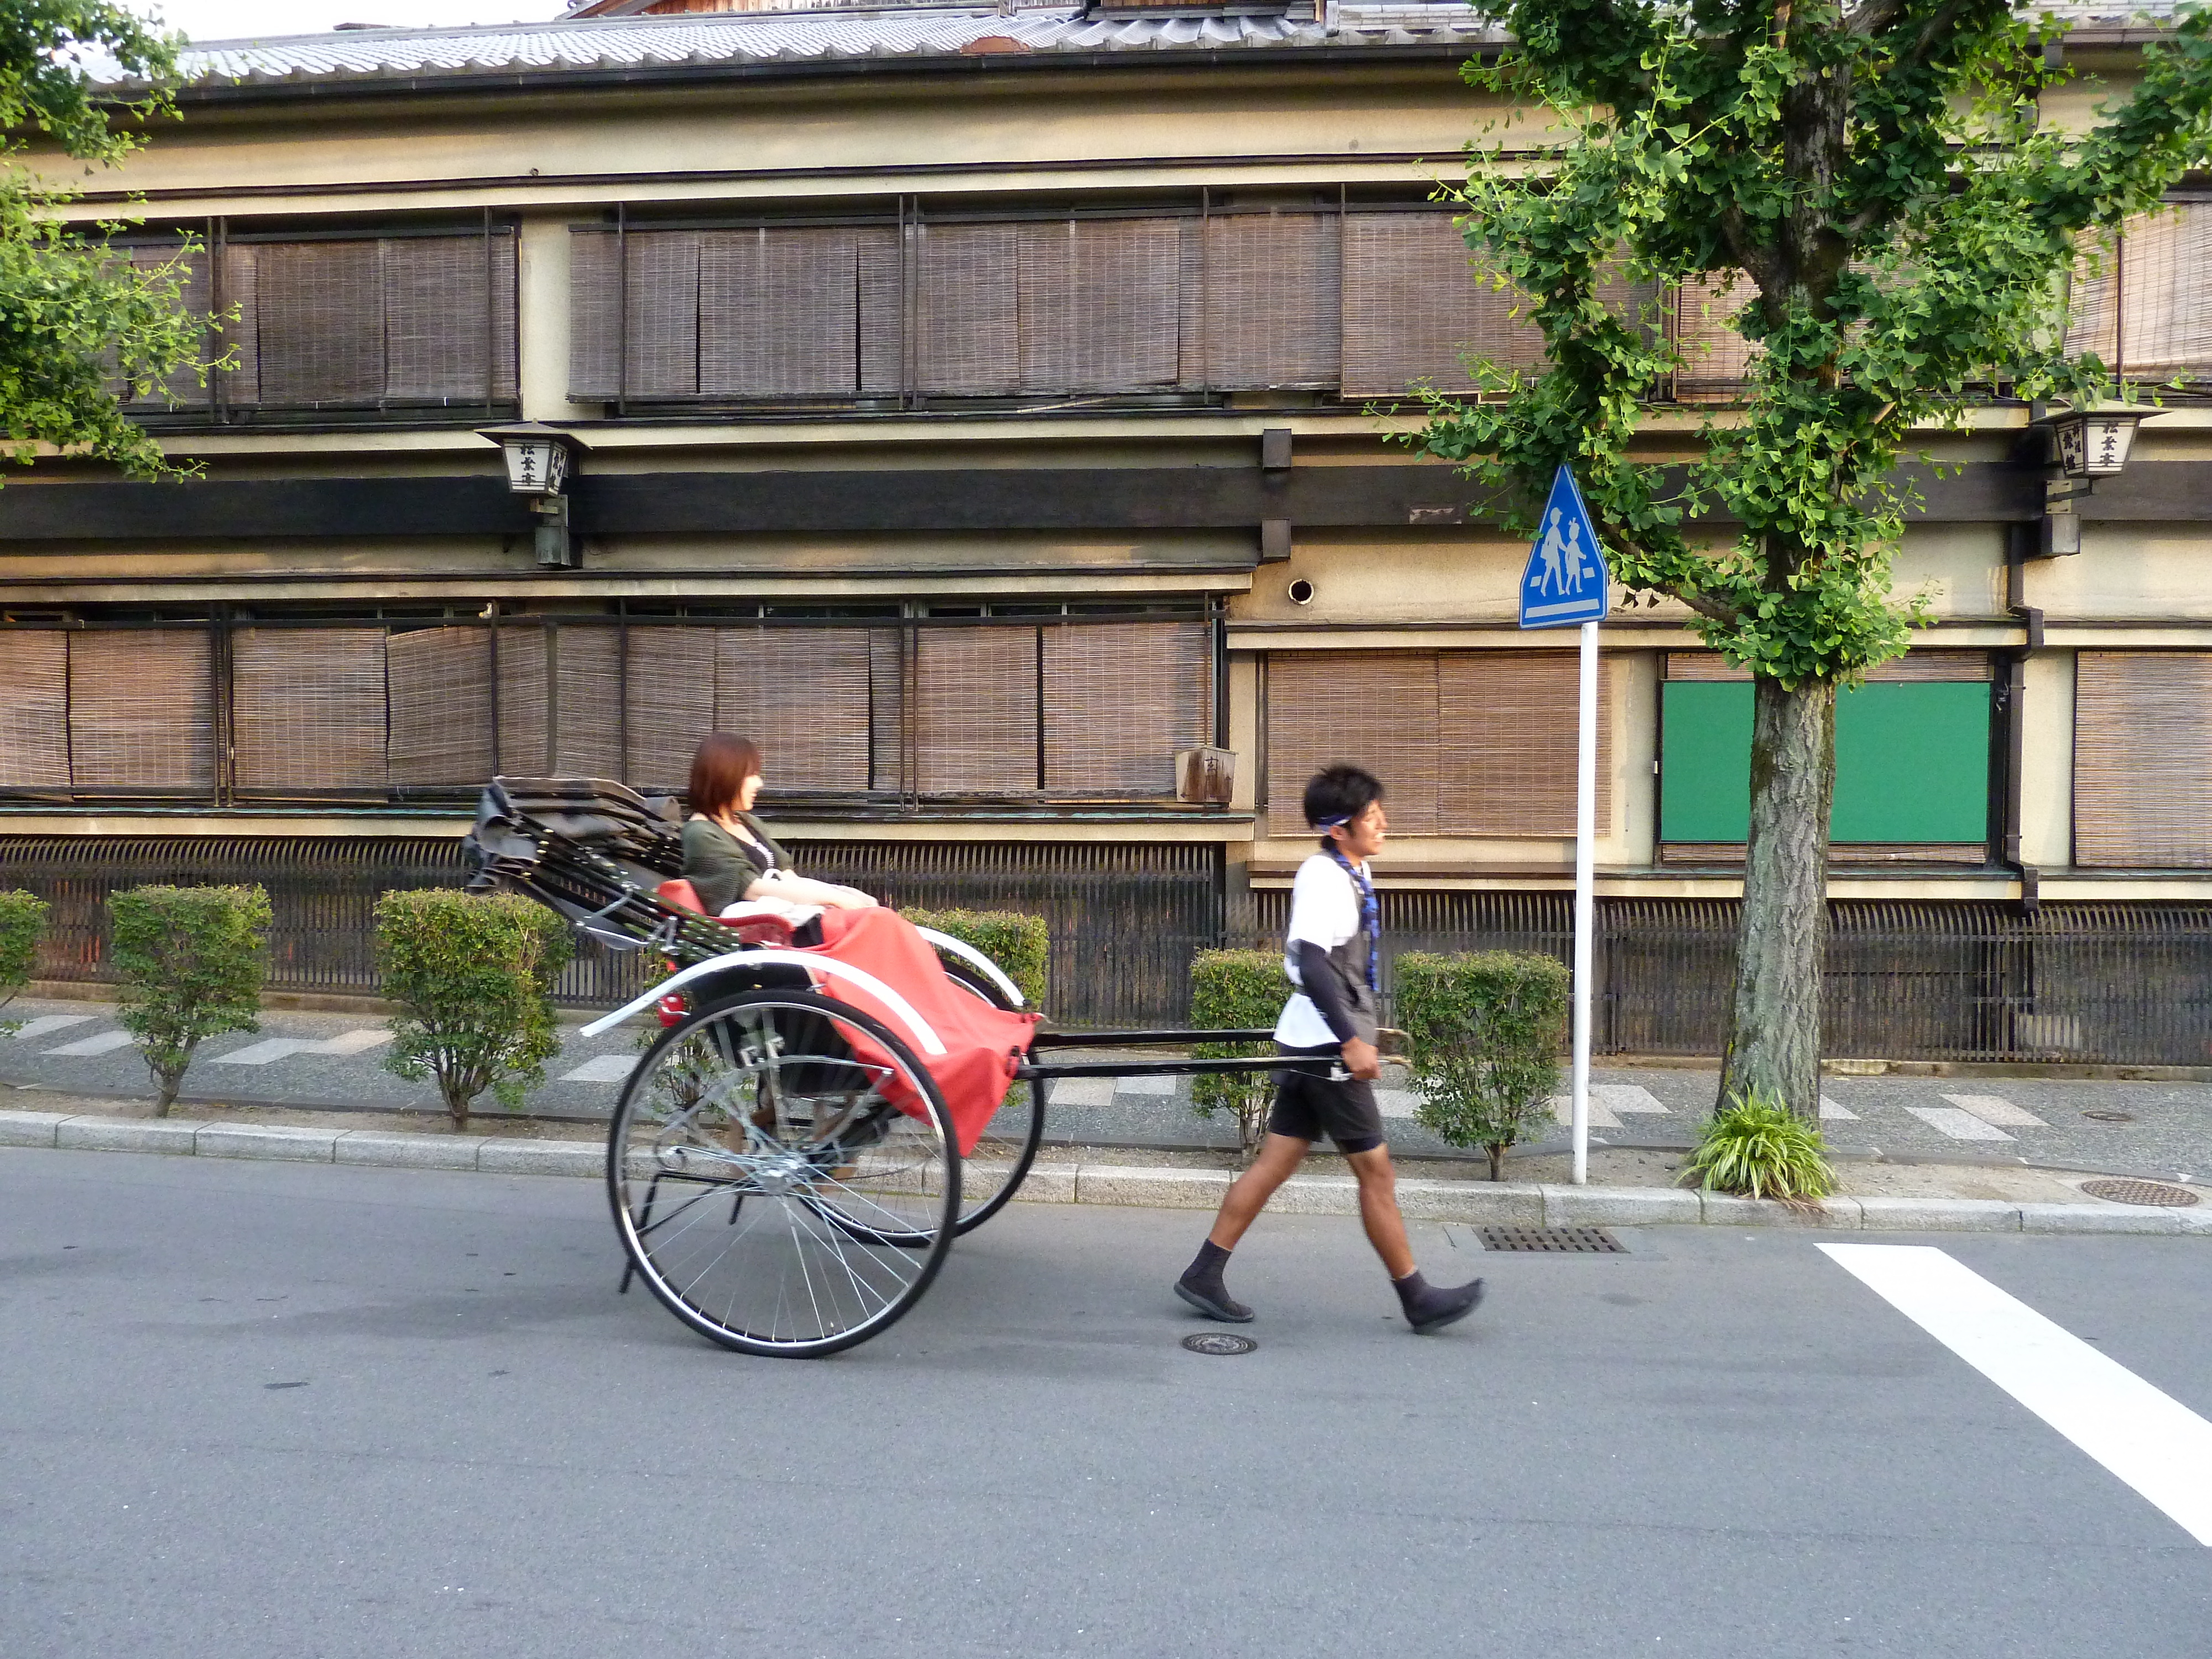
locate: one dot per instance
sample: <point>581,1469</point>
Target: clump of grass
<point>1757,1146</point>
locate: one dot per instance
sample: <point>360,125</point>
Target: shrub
<point>191,964</point>
<point>1757,1146</point>
<point>23,918</point>
<point>1230,989</point>
<point>1483,1035</point>
<point>1021,944</point>
<point>473,977</point>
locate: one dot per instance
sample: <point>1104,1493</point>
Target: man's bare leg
<point>1279,1160</point>
<point>1378,1209</point>
<point>1201,1283</point>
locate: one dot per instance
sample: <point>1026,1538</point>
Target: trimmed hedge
<point>190,960</point>
<point>1483,1035</point>
<point>22,918</point>
<point>473,977</point>
<point>1020,943</point>
<point>1229,990</point>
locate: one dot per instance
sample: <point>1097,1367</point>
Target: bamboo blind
<point>436,289</point>
<point>1273,287</point>
<point>1100,305</point>
<point>670,694</point>
<point>801,694</point>
<point>890,674</point>
<point>142,710</point>
<point>2140,305</point>
<point>520,654</point>
<point>1474,742</point>
<point>586,708</point>
<point>1412,306</point>
<point>34,710</point>
<point>975,711</point>
<point>307,709</point>
<point>241,288</point>
<point>1506,736</point>
<point>1371,709</point>
<point>442,712</point>
<point>778,311</point>
<point>181,388</point>
<point>594,315</point>
<point>320,334</point>
<point>1715,358</point>
<point>661,330</point>
<point>2143,759</point>
<point>1916,665</point>
<point>967,311</point>
<point>1119,699</point>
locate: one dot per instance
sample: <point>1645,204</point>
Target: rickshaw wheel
<point>783,1174</point>
<point>1000,1161</point>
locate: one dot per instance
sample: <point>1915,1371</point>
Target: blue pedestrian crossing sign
<point>1566,581</point>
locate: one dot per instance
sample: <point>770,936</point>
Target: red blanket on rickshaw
<point>983,1044</point>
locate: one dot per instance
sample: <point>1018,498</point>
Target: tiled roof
<point>738,39</point>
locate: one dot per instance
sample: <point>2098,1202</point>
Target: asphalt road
<point>259,1410</point>
<point>2163,1130</point>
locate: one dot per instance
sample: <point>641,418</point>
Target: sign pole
<point>1565,584</point>
<point>1585,892</point>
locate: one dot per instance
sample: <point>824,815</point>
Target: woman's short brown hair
<point>719,772</point>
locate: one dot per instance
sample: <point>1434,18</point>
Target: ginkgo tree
<point>1874,185</point>
<point>79,322</point>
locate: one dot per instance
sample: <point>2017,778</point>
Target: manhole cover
<point>1574,1241</point>
<point>2141,1192</point>
<point>2110,1117</point>
<point>1219,1342</point>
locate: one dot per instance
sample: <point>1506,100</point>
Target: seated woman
<point>728,858</point>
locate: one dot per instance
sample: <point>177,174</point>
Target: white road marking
<point>1832,1112</point>
<point>1601,1115</point>
<point>105,1043</point>
<point>602,1068</point>
<point>1081,1091</point>
<point>46,1023</point>
<point>1630,1097</point>
<point>2138,1432</point>
<point>1993,1108</point>
<point>1397,1102</point>
<point>271,1049</point>
<point>1959,1125</point>
<point>1145,1085</point>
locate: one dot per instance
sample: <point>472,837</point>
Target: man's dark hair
<point>1338,794</point>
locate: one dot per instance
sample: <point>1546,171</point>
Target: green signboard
<point>1912,762</point>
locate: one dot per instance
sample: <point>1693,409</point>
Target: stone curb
<point>1478,1203</point>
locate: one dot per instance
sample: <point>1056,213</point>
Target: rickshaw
<point>791,1158</point>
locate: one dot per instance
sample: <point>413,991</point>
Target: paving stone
<point>1953,1215</point>
<point>1158,1189</point>
<point>273,1141</point>
<point>1620,1206</point>
<point>128,1134</point>
<point>2097,1218</point>
<point>1726,1210</point>
<point>502,1155</point>
<point>29,1128</point>
<point>1475,1203</point>
<point>395,1149</point>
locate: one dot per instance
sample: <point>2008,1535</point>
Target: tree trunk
<point>1497,1149</point>
<point>1774,1023</point>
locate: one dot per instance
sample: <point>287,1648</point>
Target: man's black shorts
<point>1309,1107</point>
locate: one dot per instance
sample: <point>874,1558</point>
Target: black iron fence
<point>2117,983</point>
<point>2124,983</point>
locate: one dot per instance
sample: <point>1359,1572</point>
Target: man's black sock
<point>1431,1308</point>
<point>1202,1287</point>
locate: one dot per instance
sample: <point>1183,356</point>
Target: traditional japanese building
<point>980,406</point>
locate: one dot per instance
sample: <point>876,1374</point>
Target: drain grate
<point>1558,1240</point>
<point>1219,1342</point>
<point>2110,1117</point>
<point>2141,1192</point>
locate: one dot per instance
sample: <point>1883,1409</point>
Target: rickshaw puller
<point>1332,953</point>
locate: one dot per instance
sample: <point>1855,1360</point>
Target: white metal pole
<point>1585,892</point>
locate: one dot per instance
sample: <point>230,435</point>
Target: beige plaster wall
<point>2153,572</point>
<point>2046,754</point>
